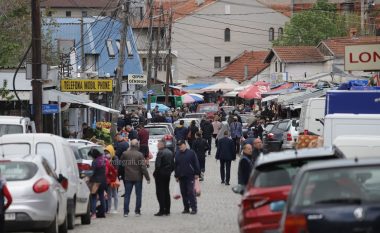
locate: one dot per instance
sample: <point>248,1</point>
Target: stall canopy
<point>54,95</point>
<point>223,86</point>
<point>255,90</point>
<point>196,86</point>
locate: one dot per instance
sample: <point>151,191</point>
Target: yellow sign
<point>84,85</point>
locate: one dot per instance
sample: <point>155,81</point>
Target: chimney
<point>245,72</point>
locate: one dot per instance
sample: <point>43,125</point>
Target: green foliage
<point>5,93</point>
<point>322,21</point>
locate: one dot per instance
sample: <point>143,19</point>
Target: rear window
<point>343,186</point>
<point>157,131</point>
<point>10,129</point>
<point>18,171</point>
<point>207,108</point>
<point>47,151</point>
<point>280,174</point>
<point>84,151</point>
<point>284,125</point>
<point>15,149</point>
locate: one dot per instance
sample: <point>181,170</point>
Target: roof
<point>336,45</point>
<point>289,155</point>
<point>338,163</point>
<point>181,8</point>
<point>97,31</point>
<point>78,3</point>
<point>296,54</point>
<point>235,69</point>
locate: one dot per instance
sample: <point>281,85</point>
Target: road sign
<point>139,79</point>
<point>83,85</point>
<point>49,108</point>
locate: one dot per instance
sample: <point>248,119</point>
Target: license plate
<point>10,216</point>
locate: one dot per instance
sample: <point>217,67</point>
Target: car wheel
<point>71,218</point>
<point>86,219</point>
<point>63,227</point>
<point>53,228</point>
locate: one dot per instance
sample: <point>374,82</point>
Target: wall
<point>200,37</point>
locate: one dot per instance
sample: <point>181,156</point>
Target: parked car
<point>290,137</point>
<point>156,133</point>
<point>198,116</point>
<point>39,195</point>
<point>335,196</point>
<point>14,124</point>
<point>169,125</point>
<point>79,142</point>
<point>275,138</point>
<point>209,109</point>
<point>187,122</point>
<point>57,151</point>
<point>270,184</point>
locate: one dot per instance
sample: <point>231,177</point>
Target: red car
<point>269,186</point>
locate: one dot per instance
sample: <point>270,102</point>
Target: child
<point>111,173</point>
<point>4,193</point>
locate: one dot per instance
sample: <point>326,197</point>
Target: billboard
<point>86,85</point>
<point>362,57</point>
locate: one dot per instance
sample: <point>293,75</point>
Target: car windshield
<point>17,171</point>
<point>84,151</point>
<point>157,131</point>
<point>10,129</point>
<point>349,186</point>
<point>280,174</point>
<point>208,108</point>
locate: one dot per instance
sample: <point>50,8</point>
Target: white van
<point>312,110</point>
<point>358,146</point>
<point>15,124</point>
<point>59,154</point>
<point>350,124</point>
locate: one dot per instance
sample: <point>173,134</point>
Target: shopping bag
<point>94,187</point>
<point>197,187</point>
<point>177,191</point>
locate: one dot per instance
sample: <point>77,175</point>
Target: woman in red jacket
<point>111,175</point>
<point>4,193</point>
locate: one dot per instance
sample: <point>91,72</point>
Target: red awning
<point>254,91</point>
<point>282,87</point>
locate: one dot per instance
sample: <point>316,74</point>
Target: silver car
<point>39,195</point>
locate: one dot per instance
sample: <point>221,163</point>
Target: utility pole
<point>362,12</point>
<point>292,7</point>
<point>82,46</point>
<point>150,54</point>
<point>36,65</point>
<point>120,67</point>
<point>158,40</point>
<point>169,59</point>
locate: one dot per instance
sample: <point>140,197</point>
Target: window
<point>68,13</point>
<point>227,35</point>
<point>17,171</point>
<point>118,45</point>
<point>159,64</point>
<point>47,151</point>
<point>271,34</point>
<point>280,67</point>
<point>18,149</point>
<point>111,52</point>
<point>84,13</point>
<point>280,32</point>
<point>227,9</point>
<point>10,129</point>
<point>217,62</point>
<point>144,64</point>
<point>227,59</point>
<point>49,13</point>
<point>141,13</point>
<point>91,61</point>
<point>129,49</point>
<point>275,67</point>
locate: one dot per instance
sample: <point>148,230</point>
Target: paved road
<point>217,209</point>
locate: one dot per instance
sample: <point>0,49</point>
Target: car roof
<point>24,158</point>
<point>28,137</point>
<point>339,163</point>
<point>289,155</point>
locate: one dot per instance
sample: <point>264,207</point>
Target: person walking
<point>143,137</point>
<point>111,175</point>
<point>236,133</point>
<point>132,134</point>
<point>217,125</point>
<point>257,149</point>
<point>134,170</point>
<point>99,183</point>
<point>207,131</point>
<point>4,194</point>
<point>164,166</point>
<point>193,129</point>
<point>225,153</point>
<point>180,132</point>
<point>245,165</point>
<point>200,146</point>
<point>186,171</point>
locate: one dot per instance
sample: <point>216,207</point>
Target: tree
<point>5,93</point>
<point>322,21</point>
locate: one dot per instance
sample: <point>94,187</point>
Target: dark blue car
<point>340,196</point>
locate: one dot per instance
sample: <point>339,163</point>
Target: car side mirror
<point>238,189</point>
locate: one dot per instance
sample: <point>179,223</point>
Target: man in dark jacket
<point>134,169</point>
<point>143,137</point>
<point>257,149</point>
<point>200,146</point>
<point>186,171</point>
<point>132,134</point>
<point>164,167</point>
<point>207,131</point>
<point>225,153</point>
<point>180,132</point>
<point>245,165</point>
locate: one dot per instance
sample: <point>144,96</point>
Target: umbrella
<point>253,92</point>
<point>161,107</point>
<point>191,98</point>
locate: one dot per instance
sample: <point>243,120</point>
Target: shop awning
<point>254,91</point>
<point>306,95</point>
<point>231,94</point>
<point>53,95</point>
<point>269,98</point>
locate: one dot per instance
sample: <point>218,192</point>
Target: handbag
<point>177,191</point>
<point>94,187</point>
<point>197,187</point>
